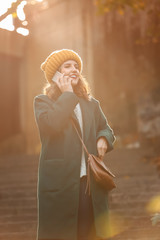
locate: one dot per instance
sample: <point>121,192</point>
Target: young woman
<point>65,211</point>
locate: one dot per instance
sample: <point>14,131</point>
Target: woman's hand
<point>101,147</point>
<point>64,83</point>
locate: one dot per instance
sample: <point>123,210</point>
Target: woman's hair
<point>82,89</point>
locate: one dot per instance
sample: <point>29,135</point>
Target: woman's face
<point>70,68</point>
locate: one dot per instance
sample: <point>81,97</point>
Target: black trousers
<point>86,227</point>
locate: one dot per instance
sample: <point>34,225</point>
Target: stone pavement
<point>130,204</point>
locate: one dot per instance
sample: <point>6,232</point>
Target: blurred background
<point>119,42</point>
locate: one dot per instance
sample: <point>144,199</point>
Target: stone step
<point>136,212</point>
<point>18,202</point>
<point>11,187</point>
<point>26,235</point>
<point>16,210</point>
<point>18,227</point>
<point>17,194</point>
<point>134,195</point>
<point>134,205</point>
<point>18,218</point>
<point>139,234</point>
<point>129,188</point>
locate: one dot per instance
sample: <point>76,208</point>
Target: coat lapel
<point>86,117</point>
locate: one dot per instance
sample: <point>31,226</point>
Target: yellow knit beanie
<point>56,59</point>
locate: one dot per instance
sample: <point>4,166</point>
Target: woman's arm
<point>105,134</point>
<point>53,116</point>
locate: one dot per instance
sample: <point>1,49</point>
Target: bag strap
<point>88,168</point>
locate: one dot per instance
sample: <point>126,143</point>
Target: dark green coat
<point>59,166</point>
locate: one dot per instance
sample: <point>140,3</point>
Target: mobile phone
<point>56,76</point>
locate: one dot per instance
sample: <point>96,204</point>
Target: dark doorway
<point>9,96</point>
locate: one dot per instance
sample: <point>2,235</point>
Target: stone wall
<point>12,101</point>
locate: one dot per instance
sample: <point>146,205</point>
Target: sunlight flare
<point>20,12</point>
<point>23,31</point>
<point>7,23</point>
<point>154,205</point>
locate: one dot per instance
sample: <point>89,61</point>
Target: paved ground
<point>137,184</point>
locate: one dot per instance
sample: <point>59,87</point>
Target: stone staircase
<point>137,184</point>
<point>135,200</point>
<point>18,205</point>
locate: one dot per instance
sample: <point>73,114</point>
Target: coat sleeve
<point>52,116</point>
<point>104,130</point>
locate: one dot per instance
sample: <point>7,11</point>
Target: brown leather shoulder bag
<point>98,169</point>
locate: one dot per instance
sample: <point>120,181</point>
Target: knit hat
<point>56,59</point>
